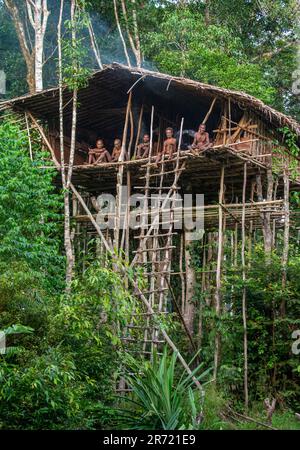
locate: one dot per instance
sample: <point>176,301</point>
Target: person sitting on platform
<point>99,154</point>
<point>169,146</point>
<point>201,140</point>
<point>143,148</point>
<point>117,150</point>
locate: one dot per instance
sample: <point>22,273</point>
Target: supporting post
<point>118,210</point>
<point>41,131</point>
<point>244,304</point>
<point>138,292</point>
<point>29,137</point>
<point>209,111</point>
<point>181,273</point>
<point>218,275</point>
<point>139,130</point>
<point>285,254</point>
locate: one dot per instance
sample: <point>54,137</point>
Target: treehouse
<point>244,176</point>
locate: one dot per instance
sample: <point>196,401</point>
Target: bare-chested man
<point>201,139</point>
<point>169,145</point>
<point>116,153</point>
<point>99,154</point>
<point>143,148</point>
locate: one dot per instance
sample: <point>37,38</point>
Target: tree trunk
<point>138,52</point>
<point>218,276</point>
<point>265,217</point>
<point>38,15</point>
<point>68,242</point>
<point>244,301</point>
<point>207,12</point>
<point>286,235</point>
<point>37,11</point>
<point>70,261</point>
<point>94,44</point>
<point>24,45</point>
<point>190,285</point>
<point>121,33</point>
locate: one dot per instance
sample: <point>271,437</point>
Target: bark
<point>207,12</point>
<point>121,33</point>
<point>138,52</point>
<point>38,17</point>
<point>74,102</point>
<point>244,302</point>
<point>24,44</point>
<point>218,276</point>
<point>285,254</point>
<point>134,39</point>
<point>270,405</point>
<point>265,217</point>
<point>70,260</point>
<point>94,44</point>
<point>68,242</point>
<point>190,285</point>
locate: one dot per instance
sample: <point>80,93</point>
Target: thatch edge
<point>271,115</point>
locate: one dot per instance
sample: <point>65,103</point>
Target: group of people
<point>100,154</point>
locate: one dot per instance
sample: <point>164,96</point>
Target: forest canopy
<point>243,45</point>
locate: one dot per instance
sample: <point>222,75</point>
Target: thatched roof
<point>105,97</point>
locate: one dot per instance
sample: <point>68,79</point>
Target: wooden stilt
<point>29,136</point>
<point>218,275</point>
<point>285,253</point>
<point>139,130</point>
<point>120,176</point>
<point>244,304</point>
<point>209,111</point>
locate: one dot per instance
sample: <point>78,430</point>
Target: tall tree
<point>37,13</point>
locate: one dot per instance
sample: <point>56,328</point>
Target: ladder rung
<point>155,235</point>
<point>158,211</point>
<point>154,249</point>
<point>158,188</point>
<point>161,174</point>
<point>157,223</point>
<point>143,197</point>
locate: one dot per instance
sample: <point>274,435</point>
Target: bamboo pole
<point>203,287</point>
<point>285,254</point>
<point>156,218</point>
<point>120,175</point>
<point>126,231</point>
<point>42,133</point>
<point>218,275</point>
<point>244,304</point>
<point>181,273</point>
<point>139,293</point>
<point>209,111</point>
<point>138,130</point>
<point>29,137</point>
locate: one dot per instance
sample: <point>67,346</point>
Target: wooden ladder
<point>155,236</point>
